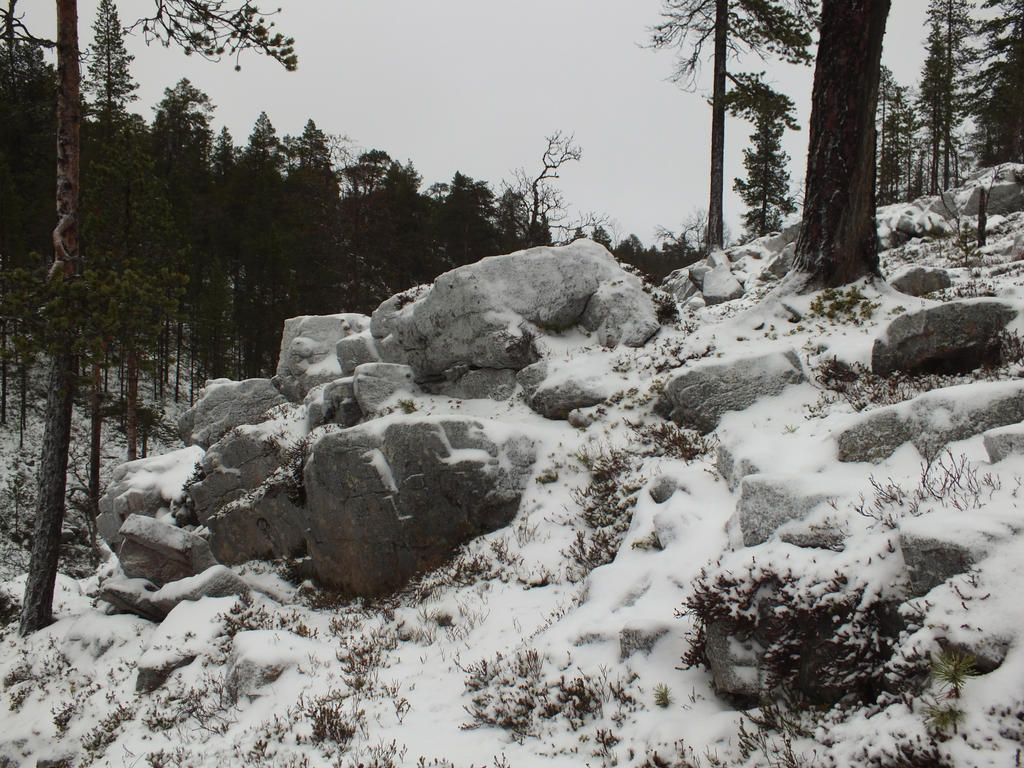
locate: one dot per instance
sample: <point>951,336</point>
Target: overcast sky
<point>476,85</point>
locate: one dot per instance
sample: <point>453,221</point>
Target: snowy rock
<point>385,503</point>
<point>716,259</point>
<point>698,397</point>
<point>618,314</point>
<point>916,280</point>
<point>555,391</point>
<point>680,285</point>
<point>355,350</point>
<point>332,403</point>
<point>732,465</point>
<point>954,337</point>
<point>735,663</point>
<point>639,639</point>
<point>224,405</point>
<point>932,420</point>
<point>144,487</point>
<point>720,286</point>
<point>234,465</point>
<point>1003,442</point>
<point>187,631</point>
<point>375,384</point>
<point>767,502</point>
<point>697,273</point>
<point>931,559</point>
<point>662,488</point>
<point>779,267</point>
<point>259,657</point>
<point>133,596</point>
<point>309,351</point>
<point>485,315</point>
<point>160,552</point>
<point>475,383</point>
<point>266,523</point>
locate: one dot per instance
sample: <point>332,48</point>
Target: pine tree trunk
<point>95,439</point>
<point>838,242</point>
<point>131,420</point>
<point>716,229</point>
<point>37,608</point>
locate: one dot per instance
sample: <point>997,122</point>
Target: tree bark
<point>716,229</point>
<point>131,413</point>
<point>838,243</point>
<point>42,571</point>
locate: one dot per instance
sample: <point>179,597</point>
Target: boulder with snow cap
<point>617,314</point>
<point>144,487</point>
<point>355,350</point>
<point>223,405</point>
<point>467,383</point>
<point>259,657</point>
<point>932,420</point>
<point>553,391</point>
<point>375,385</point>
<point>386,501</point>
<point>955,337</point>
<point>309,351</point>
<point>720,285</point>
<point>160,552</point>
<point>1003,442</point>
<point>486,315</point>
<point>697,398</point>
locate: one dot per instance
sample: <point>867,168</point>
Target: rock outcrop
<point>309,351</point>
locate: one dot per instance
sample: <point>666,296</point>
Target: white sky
<point>476,85</point>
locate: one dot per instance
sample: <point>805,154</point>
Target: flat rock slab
<point>554,391</point>
<point>950,338</point>
<point>932,420</point>
<point>384,502</point>
<point>697,398</point>
<point>223,405</point>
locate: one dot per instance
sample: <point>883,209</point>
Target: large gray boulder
<point>384,502</point>
<point>144,487</point>
<point>954,337</point>
<point>160,552</point>
<point>486,315</point>
<point>223,405</point>
<point>232,467</point>
<point>930,560</point>
<point>697,398</point>
<point>309,351</point>
<point>932,420</point>
<point>917,280</point>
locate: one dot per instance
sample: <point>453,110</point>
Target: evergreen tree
<point>765,191</point>
<point>780,28</point>
<point>999,86</point>
<point>108,79</point>
<point>463,223</point>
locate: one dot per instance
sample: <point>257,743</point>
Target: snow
<point>403,661</point>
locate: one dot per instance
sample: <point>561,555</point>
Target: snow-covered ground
<point>516,653</point>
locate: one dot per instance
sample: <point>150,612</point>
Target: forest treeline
<point>197,247</point>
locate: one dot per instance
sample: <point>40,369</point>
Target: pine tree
<point>765,191</point>
<point>999,86</point>
<point>108,79</point>
<point>780,28</point>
